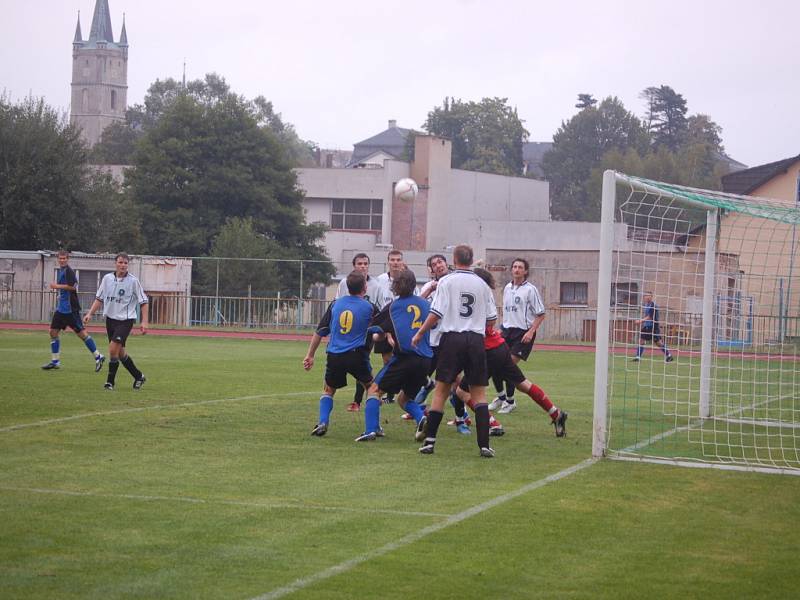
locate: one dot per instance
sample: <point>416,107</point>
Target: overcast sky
<point>339,70</point>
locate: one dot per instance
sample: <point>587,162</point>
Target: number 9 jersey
<point>347,322</point>
<point>463,302</point>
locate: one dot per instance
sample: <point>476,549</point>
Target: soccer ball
<point>406,189</point>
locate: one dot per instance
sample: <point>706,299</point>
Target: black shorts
<point>383,347</point>
<point>462,351</point>
<point>653,334</point>
<point>354,362</point>
<point>499,364</point>
<point>513,337</point>
<point>403,372</point>
<point>63,320</point>
<point>118,331</point>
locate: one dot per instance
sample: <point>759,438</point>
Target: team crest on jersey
<point>517,299</point>
<point>121,292</point>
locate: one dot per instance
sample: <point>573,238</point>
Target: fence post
<point>300,304</point>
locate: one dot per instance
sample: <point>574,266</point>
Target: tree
<point>579,146</point>
<point>487,136</point>
<point>207,161</point>
<point>585,101</point>
<point>116,146</point>
<point>42,171</point>
<point>666,116</point>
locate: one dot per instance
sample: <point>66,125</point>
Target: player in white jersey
<point>463,308</point>
<point>523,313</point>
<point>120,295</point>
<point>374,294</point>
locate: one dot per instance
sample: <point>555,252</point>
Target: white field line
<point>190,500</point>
<point>121,411</point>
<point>415,536</point>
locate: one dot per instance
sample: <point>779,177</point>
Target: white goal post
<point>707,373</point>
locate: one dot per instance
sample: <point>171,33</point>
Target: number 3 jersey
<point>463,302</point>
<point>121,296</point>
<point>347,322</point>
<point>402,318</point>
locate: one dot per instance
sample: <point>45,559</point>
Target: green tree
<point>205,162</point>
<point>585,101</point>
<point>487,136</point>
<point>42,172</point>
<point>666,116</point>
<point>116,145</point>
<point>579,146</point>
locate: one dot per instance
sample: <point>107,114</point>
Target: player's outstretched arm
<point>308,361</point>
<point>145,308</point>
<point>92,309</point>
<point>430,323</point>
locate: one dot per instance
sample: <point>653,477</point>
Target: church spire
<point>123,36</point>
<point>78,35</point>
<point>101,23</point>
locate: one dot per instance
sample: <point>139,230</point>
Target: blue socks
<point>90,344</point>
<point>55,348</point>
<point>415,410</point>
<point>372,415</point>
<point>325,408</point>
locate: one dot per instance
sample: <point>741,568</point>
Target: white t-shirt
<point>373,290</point>
<point>385,283</point>
<point>521,305</point>
<point>435,333</point>
<point>120,297</point>
<point>463,302</point>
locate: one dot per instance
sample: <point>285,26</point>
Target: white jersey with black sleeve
<point>121,296</point>
<point>521,305</point>
<point>373,294</point>
<point>435,332</point>
<point>463,302</point>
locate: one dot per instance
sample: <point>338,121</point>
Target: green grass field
<point>206,484</point>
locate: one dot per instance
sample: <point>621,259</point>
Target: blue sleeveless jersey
<point>403,318</point>
<point>347,323</point>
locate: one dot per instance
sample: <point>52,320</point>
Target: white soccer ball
<point>406,189</point>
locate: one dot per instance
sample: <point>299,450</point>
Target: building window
<point>625,294</point>
<point>357,213</point>
<point>113,100</point>
<point>574,292</point>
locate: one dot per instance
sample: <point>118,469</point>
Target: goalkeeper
<point>650,329</point>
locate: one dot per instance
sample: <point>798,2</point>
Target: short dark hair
<point>356,282</point>
<point>122,255</point>
<point>462,255</point>
<point>394,253</point>
<point>62,252</point>
<point>485,275</point>
<point>359,255</point>
<point>433,257</point>
<point>524,262</point>
<point>403,285</point>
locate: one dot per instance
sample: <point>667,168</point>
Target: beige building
<point>99,76</point>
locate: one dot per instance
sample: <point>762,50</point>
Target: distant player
<point>406,372</point>
<point>360,263</point>
<point>120,295</point>
<point>68,314</point>
<point>500,363</point>
<point>347,322</point>
<point>523,313</point>
<point>650,328</point>
<point>463,308</point>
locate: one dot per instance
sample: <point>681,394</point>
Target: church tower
<point>99,75</point>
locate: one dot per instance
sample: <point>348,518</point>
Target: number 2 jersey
<point>463,302</point>
<point>402,318</point>
<point>347,322</point>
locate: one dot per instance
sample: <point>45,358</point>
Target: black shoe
<point>487,453</point>
<point>320,429</point>
<point>51,365</point>
<point>669,358</point>
<point>138,383</point>
<point>108,386</point>
<point>427,448</point>
<point>497,431</point>
<point>421,427</point>
<point>561,423</point>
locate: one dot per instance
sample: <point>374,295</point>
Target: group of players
<point>446,328</point>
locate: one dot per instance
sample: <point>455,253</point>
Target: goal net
<point>698,328</point>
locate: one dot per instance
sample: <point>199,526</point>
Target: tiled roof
<point>746,181</point>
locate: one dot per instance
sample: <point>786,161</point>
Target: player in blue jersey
<point>68,314</point>
<point>407,369</point>
<point>347,322</point>
<point>650,329</point>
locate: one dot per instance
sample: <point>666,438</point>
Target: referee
<point>463,308</point>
